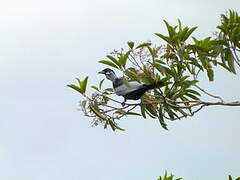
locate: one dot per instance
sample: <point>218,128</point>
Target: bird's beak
<point>100,72</point>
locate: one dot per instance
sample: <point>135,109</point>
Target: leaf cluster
<point>81,87</point>
<point>168,177</point>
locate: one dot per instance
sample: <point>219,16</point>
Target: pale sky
<point>45,44</point>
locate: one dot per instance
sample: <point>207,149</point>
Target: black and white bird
<point>132,90</point>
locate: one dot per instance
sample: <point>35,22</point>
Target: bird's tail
<point>156,84</point>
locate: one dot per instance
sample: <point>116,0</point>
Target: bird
<point>132,90</point>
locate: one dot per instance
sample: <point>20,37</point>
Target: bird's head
<point>110,74</point>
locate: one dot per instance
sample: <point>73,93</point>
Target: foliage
<point>178,63</point>
<point>170,177</point>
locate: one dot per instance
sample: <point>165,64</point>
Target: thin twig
<point>135,62</point>
<point>214,96</point>
<point>127,112</point>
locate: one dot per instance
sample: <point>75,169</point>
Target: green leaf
<point>192,96</point>
<point>97,113</point>
<point>143,45</point>
<point>165,38</point>
<point>151,111</point>
<point>182,33</point>
<point>154,117</point>
<point>108,63</point>
<point>224,66</point>
<point>131,74</point>
<point>84,84</point>
<point>230,177</point>
<point>204,61</point>
<point>153,54</point>
<point>79,81</point>
<point>188,33</point>
<point>76,88</point>
<point>179,25</point>
<point>195,63</point>
<point>131,44</point>
<point>94,87</point>
<point>101,83</point>
<point>165,175</point>
<point>171,30</point>
<point>193,92</point>
<point>105,125</point>
<point>120,111</point>
<point>143,110</point>
<point>170,72</point>
<point>123,59</point>
<point>109,89</point>
<point>210,74</point>
<point>169,111</point>
<point>114,60</point>
<point>230,60</point>
<point>133,113</point>
<point>184,78</point>
<point>114,126</point>
<point>160,118</point>
<point>160,68</point>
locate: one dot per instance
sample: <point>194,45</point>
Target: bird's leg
<point>123,103</point>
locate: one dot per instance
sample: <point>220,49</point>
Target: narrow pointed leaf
<point>111,125</point>
<point>189,33</point>
<point>161,119</point>
<point>94,87</point>
<point>108,63</point>
<point>114,60</point>
<point>97,113</point>
<point>143,45</point>
<point>171,30</point>
<point>165,38</point>
<point>114,126</point>
<point>84,84</point>
<point>79,81</point>
<point>143,111</point>
<point>101,83</point>
<point>123,58</point>
<point>133,113</point>
<point>192,96</point>
<point>210,74</point>
<point>76,88</point>
<point>193,92</point>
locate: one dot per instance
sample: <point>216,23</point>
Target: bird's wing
<point>124,89</point>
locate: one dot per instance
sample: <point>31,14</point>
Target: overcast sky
<point>45,44</point>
